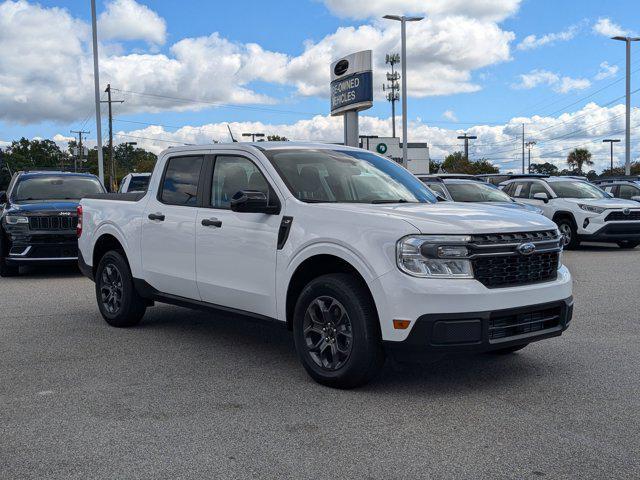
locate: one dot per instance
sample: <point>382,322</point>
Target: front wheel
<point>336,332</point>
<point>628,244</point>
<point>118,301</point>
<point>570,233</point>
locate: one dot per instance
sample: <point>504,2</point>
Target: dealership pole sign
<point>351,83</point>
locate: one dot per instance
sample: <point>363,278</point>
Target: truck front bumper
<point>475,332</point>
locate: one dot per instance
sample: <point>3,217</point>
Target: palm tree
<point>578,158</point>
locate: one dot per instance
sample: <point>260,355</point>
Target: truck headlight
<point>591,208</point>
<point>15,219</point>
<point>434,256</point>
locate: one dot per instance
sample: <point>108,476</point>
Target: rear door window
<point>180,182</point>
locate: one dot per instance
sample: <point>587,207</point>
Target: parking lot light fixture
<point>403,61</point>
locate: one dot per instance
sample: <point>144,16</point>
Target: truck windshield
<point>476,192</point>
<point>55,188</point>
<point>346,176</point>
<point>576,189</point>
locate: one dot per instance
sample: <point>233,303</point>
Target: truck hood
<point>604,202</point>
<point>454,217</point>
<point>45,208</point>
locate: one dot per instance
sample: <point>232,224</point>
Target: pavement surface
<point>192,395</point>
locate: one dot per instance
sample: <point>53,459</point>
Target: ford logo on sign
<point>341,67</point>
<point>526,248</point>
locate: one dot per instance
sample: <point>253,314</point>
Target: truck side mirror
<point>252,201</point>
<point>3,197</point>
<point>541,196</point>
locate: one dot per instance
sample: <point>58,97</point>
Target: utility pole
<point>627,135</point>
<point>530,145</point>
<point>523,148</point>
<point>96,84</point>
<point>253,135</point>
<point>611,141</point>
<point>112,163</point>
<point>80,150</point>
<point>466,139</point>
<point>403,60</point>
<point>392,95</point>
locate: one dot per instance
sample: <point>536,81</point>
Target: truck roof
<point>260,146</point>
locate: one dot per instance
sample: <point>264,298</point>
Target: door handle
<point>211,222</point>
<point>156,216</point>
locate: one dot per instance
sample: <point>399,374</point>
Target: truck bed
<point>118,197</point>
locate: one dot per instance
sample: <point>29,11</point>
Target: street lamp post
<point>627,135</point>
<point>611,141</point>
<point>253,135</point>
<point>403,60</point>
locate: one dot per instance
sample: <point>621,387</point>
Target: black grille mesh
<point>512,270</point>
<point>518,324</point>
<point>619,216</point>
<point>53,222</point>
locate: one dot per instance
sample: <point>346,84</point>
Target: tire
<point>6,270</point>
<point>628,244</point>
<point>508,350</point>
<point>568,228</point>
<point>351,325</point>
<point>118,300</point>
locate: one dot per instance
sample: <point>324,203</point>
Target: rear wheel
<point>6,270</point>
<point>336,332</point>
<point>628,244</point>
<point>568,229</point>
<point>118,300</point>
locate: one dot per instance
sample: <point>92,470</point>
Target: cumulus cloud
<point>531,42</point>
<point>130,20</point>
<point>450,115</point>
<point>559,83</point>
<point>606,71</point>
<point>46,65</point>
<point>604,26</point>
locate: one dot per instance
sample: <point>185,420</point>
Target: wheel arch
<point>560,214</point>
<point>105,243</point>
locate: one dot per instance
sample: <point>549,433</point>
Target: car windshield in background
<point>476,192</point>
<point>347,176</point>
<point>138,184</point>
<point>55,188</point>
<point>576,189</point>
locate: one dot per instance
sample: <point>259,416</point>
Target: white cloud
<point>532,41</point>
<point>450,115</point>
<point>559,84</point>
<point>606,71</point>
<point>46,66</point>
<point>604,26</point>
<point>491,10</point>
<point>129,20</point>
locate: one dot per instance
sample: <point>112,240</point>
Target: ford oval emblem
<point>626,211</point>
<point>526,248</point>
<point>341,67</point>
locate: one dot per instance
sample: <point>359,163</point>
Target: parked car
<point>474,191</point>
<point>342,246</point>
<point>498,178</point>
<point>134,182</point>
<point>38,218</point>
<point>627,188</point>
<point>581,210</point>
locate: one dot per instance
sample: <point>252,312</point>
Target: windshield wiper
<point>400,200</point>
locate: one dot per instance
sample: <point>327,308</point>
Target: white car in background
<point>134,182</point>
<point>581,210</point>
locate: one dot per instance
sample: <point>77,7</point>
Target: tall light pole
<point>253,135</point>
<point>530,145</point>
<point>96,82</point>
<point>403,60</point>
<point>627,135</point>
<point>611,141</point>
<point>392,86</point>
<point>466,139</point>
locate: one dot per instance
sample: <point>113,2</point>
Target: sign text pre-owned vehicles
<point>344,247</point>
<point>581,210</point>
<point>38,218</point>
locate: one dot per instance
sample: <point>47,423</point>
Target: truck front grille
<point>621,217</point>
<point>505,326</point>
<point>497,263</point>
<point>53,222</point>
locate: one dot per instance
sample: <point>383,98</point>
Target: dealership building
<point>390,147</point>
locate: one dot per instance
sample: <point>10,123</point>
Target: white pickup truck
<point>345,248</point>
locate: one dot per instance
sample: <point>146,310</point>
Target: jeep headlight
<point>434,256</point>
<point>15,219</point>
<point>591,208</point>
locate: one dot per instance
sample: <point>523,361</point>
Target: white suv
<point>581,210</point>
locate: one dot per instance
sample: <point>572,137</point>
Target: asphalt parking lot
<point>188,395</point>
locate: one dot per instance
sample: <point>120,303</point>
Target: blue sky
<point>562,75</point>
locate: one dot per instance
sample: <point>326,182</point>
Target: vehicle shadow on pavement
<point>600,247</point>
<point>237,341</point>
<point>50,271</point>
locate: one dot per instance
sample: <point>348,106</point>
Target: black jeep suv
<point>38,218</point>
